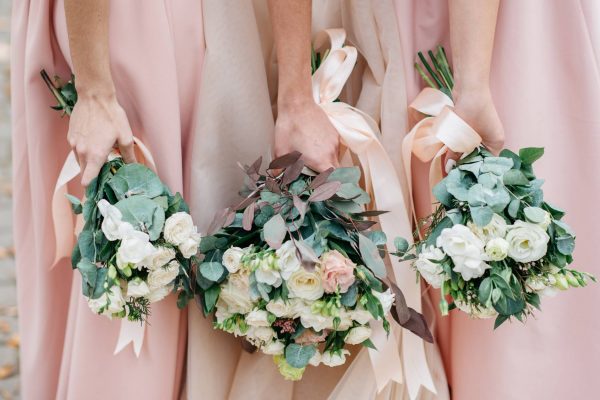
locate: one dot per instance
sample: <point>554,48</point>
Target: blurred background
<point>9,336</point>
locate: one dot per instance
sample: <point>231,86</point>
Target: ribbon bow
<point>434,135</point>
<point>66,228</point>
<point>360,134</point>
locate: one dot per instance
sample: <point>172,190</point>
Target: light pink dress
<point>157,49</point>
<point>546,85</point>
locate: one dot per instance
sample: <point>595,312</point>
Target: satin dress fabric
<point>545,81</point>
<point>156,50</point>
<point>236,113</point>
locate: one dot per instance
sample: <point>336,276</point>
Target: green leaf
<point>557,213</point>
<point>370,255</point>
<point>348,207</point>
<point>476,195</point>
<point>89,272</point>
<point>500,319</point>
<point>513,208</point>
<point>75,204</point>
<point>485,291</point>
<point>345,175</point>
<point>534,214</point>
<point>143,214</point>
<point>275,231</point>
<point>509,154</point>
<point>298,356</point>
<point>566,245</point>
<point>488,180</point>
<point>349,298</point>
<point>401,244</point>
<point>498,199</point>
<point>369,344</point>
<point>437,230</point>
<point>531,154</point>
<point>496,165</point>
<point>515,177</point>
<point>136,179</point>
<point>456,185</point>
<point>269,197</point>
<point>481,215</point>
<point>377,237</point>
<point>563,229</point>
<point>474,167</point>
<point>441,193</point>
<point>211,270</point>
<point>87,245</point>
<point>211,295</point>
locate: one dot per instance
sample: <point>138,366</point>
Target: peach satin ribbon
<point>66,227</point>
<point>360,134</point>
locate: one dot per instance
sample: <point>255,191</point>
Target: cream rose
<point>465,249</point>
<point>361,315</point>
<point>287,260</point>
<point>258,318</point>
<point>273,348</point>
<point>317,322</point>
<point>109,303</point>
<point>528,242</point>
<point>280,308</point>
<point>137,288</point>
<point>305,285</point>
<point>235,293</point>
<point>164,275</point>
<point>178,228</point>
<point>337,272</point>
<point>495,229</point>
<point>334,359</point>
<point>358,335</point>
<point>497,249</point>
<point>161,257</point>
<point>429,269</point>
<point>135,247</point>
<point>232,259</point>
<point>258,335</point>
<point>159,293</point>
<point>190,246</point>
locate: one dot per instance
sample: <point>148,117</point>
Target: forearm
<point>291,21</point>
<point>87,27</point>
<point>472,29</point>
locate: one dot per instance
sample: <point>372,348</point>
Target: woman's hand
<point>97,124</point>
<point>305,128</point>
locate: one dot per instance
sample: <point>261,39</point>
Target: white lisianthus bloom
<point>316,321</point>
<point>190,246</point>
<point>112,224</point>
<point>164,275</point>
<point>280,308</point>
<point>386,299</point>
<point>358,335</point>
<point>334,359</point>
<point>232,259</point>
<point>535,283</point>
<point>267,272</point>
<point>235,293</point>
<point>160,258</point>
<point>222,313</point>
<point>497,249</point>
<point>287,259</point>
<point>479,312</point>
<point>528,242</point>
<point>260,334</point>
<point>361,315</point>
<point>258,318</point>
<point>135,247</point>
<point>429,269</point>
<point>465,249</point>
<point>305,285</point>
<point>109,303</point>
<point>495,229</point>
<point>273,348</point>
<point>315,360</point>
<point>137,288</point>
<point>178,228</point>
<point>345,321</point>
<point>297,307</point>
<point>159,293</point>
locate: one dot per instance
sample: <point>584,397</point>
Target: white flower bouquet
<point>295,268</point>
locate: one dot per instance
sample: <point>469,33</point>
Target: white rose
<point>465,249</point>
<point>497,249</point>
<point>137,288</point>
<point>232,259</point>
<point>358,335</point>
<point>345,321</point>
<point>305,285</point>
<point>159,293</point>
<point>235,293</point>
<point>297,307</point>
<point>315,360</point>
<point>190,246</point>
<point>109,303</point>
<point>178,228</point>
<point>479,311</point>
<point>135,247</point>
<point>260,334</point>
<point>495,229</point>
<point>274,348</point>
<point>112,225</point>
<point>316,321</point>
<point>160,258</point>
<point>334,359</point>
<point>361,315</point>
<point>267,272</point>
<point>279,308</point>
<point>528,242</point>
<point>287,260</point>
<point>430,270</point>
<point>258,318</point>
<point>386,299</point>
<point>164,275</point>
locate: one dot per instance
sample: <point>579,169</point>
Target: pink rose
<point>311,337</point>
<point>336,270</point>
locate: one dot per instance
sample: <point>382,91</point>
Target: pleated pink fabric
<point>157,49</point>
<point>546,85</point>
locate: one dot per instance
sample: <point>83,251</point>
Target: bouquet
<point>137,236</point>
<point>493,245</point>
<point>296,269</point>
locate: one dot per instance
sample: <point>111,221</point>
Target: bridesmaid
<point>137,65</point>
<point>545,81</point>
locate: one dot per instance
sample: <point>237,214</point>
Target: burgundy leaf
<point>248,347</point>
<point>361,225</point>
<point>418,325</point>
<point>325,191</point>
<point>400,311</point>
<point>272,185</point>
<point>300,206</point>
<point>229,218</point>
<point>247,201</point>
<point>255,167</point>
<point>293,172</point>
<point>321,178</point>
<point>371,213</point>
<point>217,222</point>
<point>248,217</point>
<point>285,160</point>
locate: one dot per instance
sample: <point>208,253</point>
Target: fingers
<point>90,163</point>
<point>126,144</point>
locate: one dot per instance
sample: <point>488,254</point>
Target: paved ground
<point>9,338</point>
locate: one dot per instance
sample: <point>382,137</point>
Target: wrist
<point>97,94</point>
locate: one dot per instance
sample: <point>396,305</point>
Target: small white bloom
<point>235,293</point>
<point>109,303</point>
<point>260,334</point>
<point>334,359</point>
<point>495,229</point>
<point>137,288</point>
<point>361,315</point>
<point>232,259</point>
<point>113,226</point>
<point>159,293</point>
<point>535,283</point>
<point>267,274</point>
<point>305,285</point>
<point>280,308</point>
<point>190,246</point>
<point>345,321</point>
<point>164,275</point>
<point>358,335</point>
<point>528,242</point>
<point>497,249</point>
<point>273,348</point>
<point>178,228</point>
<point>465,249</point>
<point>316,321</point>
<point>258,318</point>
<point>386,299</point>
<point>429,269</point>
<point>287,260</point>
<point>315,360</point>
<point>135,247</point>
<point>479,311</point>
<point>297,307</point>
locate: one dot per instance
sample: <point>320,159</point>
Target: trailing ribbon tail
<point>131,332</point>
<point>360,134</point>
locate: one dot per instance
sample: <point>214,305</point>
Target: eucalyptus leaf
<point>401,245</point>
<point>481,215</point>
<point>488,180</point>
<point>371,256</point>
<point>497,199</point>
<point>496,165</point>
<point>76,205</point>
<point>440,192</point>
<point>476,195</point>
<point>377,237</point>
<point>275,231</point>
<point>515,177</point>
<point>473,167</point>
<point>212,270</point>
<point>136,179</point>
<point>509,154</point>
<point>455,215</point>
<point>89,272</point>
<point>297,355</point>
<point>534,214</point>
<point>143,214</point>
<point>531,154</point>
<point>513,208</point>
<point>349,298</point>
<point>566,245</point>
<point>485,291</point>
<point>437,230</point>
<point>345,175</point>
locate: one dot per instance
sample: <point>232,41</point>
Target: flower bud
<point>444,307</point>
<point>571,279</point>
<point>561,282</point>
<point>112,272</point>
